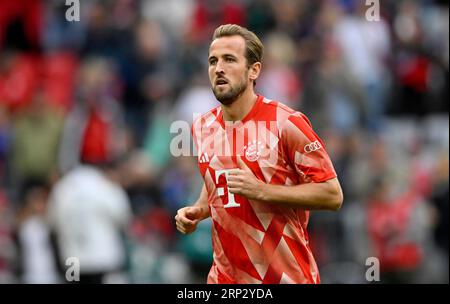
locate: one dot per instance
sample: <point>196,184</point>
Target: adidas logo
<point>204,158</point>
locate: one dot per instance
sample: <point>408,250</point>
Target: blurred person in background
<point>89,213</point>
<point>94,128</point>
<point>8,249</point>
<point>332,95</point>
<point>365,48</point>
<point>421,65</point>
<point>399,226</point>
<point>194,100</point>
<point>279,78</point>
<point>264,214</point>
<point>36,253</point>
<point>36,136</point>
<point>148,73</point>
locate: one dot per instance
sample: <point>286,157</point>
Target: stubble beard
<point>227,97</point>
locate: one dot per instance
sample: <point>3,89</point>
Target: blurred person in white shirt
<point>89,212</point>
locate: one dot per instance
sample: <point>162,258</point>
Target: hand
<point>187,219</point>
<point>242,181</point>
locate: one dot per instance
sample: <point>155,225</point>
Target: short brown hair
<point>254,48</point>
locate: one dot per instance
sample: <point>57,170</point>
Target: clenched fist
<point>187,218</point>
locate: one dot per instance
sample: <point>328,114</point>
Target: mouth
<point>221,82</point>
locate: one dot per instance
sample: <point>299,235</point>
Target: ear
<point>254,71</point>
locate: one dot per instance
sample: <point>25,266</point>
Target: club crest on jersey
<point>253,150</point>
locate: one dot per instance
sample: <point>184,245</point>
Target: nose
<point>219,68</point>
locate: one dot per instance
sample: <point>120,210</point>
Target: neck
<point>240,107</point>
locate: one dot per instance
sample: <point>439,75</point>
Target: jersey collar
<point>250,115</point>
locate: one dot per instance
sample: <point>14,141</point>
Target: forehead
<point>227,45</point>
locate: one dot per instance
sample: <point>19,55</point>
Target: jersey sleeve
<point>304,150</point>
<point>196,133</point>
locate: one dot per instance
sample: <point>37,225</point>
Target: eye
<point>212,61</point>
<point>230,59</point>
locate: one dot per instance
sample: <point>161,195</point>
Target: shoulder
<point>276,106</point>
<point>285,114</point>
<point>114,192</point>
<point>207,117</point>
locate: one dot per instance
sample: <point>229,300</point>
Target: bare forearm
<point>311,196</point>
<point>202,202</point>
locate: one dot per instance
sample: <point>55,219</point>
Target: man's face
<point>228,69</point>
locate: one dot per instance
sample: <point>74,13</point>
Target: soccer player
<point>263,167</point>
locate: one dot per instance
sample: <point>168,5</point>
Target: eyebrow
<point>224,55</point>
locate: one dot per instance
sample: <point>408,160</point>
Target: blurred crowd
<point>86,109</point>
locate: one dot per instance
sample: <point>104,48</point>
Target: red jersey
<point>253,241</point>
